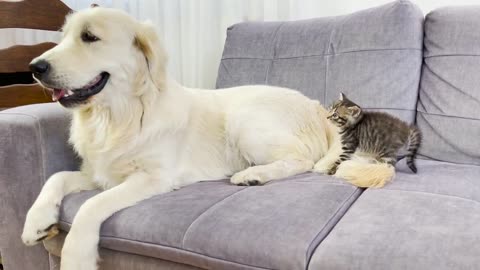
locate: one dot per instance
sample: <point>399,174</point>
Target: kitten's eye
<point>89,37</point>
<point>335,114</point>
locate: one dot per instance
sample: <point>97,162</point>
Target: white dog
<point>141,134</point>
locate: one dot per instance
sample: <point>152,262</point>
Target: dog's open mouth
<point>69,96</point>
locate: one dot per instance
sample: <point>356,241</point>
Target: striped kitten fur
<point>373,133</point>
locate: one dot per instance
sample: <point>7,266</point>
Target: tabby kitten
<point>373,133</point>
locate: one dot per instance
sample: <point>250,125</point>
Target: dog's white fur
<point>144,134</point>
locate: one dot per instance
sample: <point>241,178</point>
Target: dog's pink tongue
<point>58,94</point>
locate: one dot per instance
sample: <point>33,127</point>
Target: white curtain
<point>194,30</point>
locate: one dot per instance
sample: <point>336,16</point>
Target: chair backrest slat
<point>18,94</point>
<point>29,14</point>
<point>33,14</point>
<point>17,58</point>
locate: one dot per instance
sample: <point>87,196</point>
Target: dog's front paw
<point>79,251</point>
<point>40,223</point>
<point>248,177</point>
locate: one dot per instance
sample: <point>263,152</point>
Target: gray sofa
<point>387,58</point>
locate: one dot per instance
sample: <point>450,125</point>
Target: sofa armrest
<point>33,146</point>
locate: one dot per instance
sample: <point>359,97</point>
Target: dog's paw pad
<point>248,177</point>
<point>48,233</point>
<point>253,182</point>
<point>52,231</point>
<point>249,183</point>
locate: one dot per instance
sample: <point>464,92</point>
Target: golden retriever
<point>140,133</point>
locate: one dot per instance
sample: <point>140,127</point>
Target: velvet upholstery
<point>309,221</point>
<point>424,221</point>
<point>448,113</point>
<point>371,53</point>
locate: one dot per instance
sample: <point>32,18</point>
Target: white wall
<point>194,30</point>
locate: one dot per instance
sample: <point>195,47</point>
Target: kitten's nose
<point>39,68</point>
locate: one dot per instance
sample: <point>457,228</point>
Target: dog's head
<point>103,53</point>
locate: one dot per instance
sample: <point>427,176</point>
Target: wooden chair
<point>16,84</point>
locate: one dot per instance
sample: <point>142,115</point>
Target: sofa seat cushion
<point>214,224</point>
<point>374,56</point>
<point>448,113</point>
<point>426,221</point>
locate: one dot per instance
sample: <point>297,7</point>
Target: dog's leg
<point>258,175</point>
<point>80,249</point>
<point>43,215</point>
<point>326,163</point>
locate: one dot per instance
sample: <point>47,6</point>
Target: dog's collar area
<point>69,98</point>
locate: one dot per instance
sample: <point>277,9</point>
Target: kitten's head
<point>344,113</point>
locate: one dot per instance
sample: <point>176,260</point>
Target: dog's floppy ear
<point>147,41</point>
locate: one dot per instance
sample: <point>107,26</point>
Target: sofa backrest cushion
<point>374,56</point>
<point>449,102</point>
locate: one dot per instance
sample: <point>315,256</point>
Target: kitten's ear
<point>342,96</point>
<point>355,110</point>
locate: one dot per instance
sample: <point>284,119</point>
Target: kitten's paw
<point>40,223</point>
<point>332,170</point>
<point>248,177</point>
<point>322,167</point>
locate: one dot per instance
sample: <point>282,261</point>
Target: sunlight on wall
<point>194,31</point>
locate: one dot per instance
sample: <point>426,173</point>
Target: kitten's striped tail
<point>414,141</point>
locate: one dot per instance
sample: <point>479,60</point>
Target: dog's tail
<point>363,173</point>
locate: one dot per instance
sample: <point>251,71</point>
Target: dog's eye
<point>89,37</point>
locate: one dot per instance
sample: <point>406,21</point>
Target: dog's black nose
<point>39,68</point>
